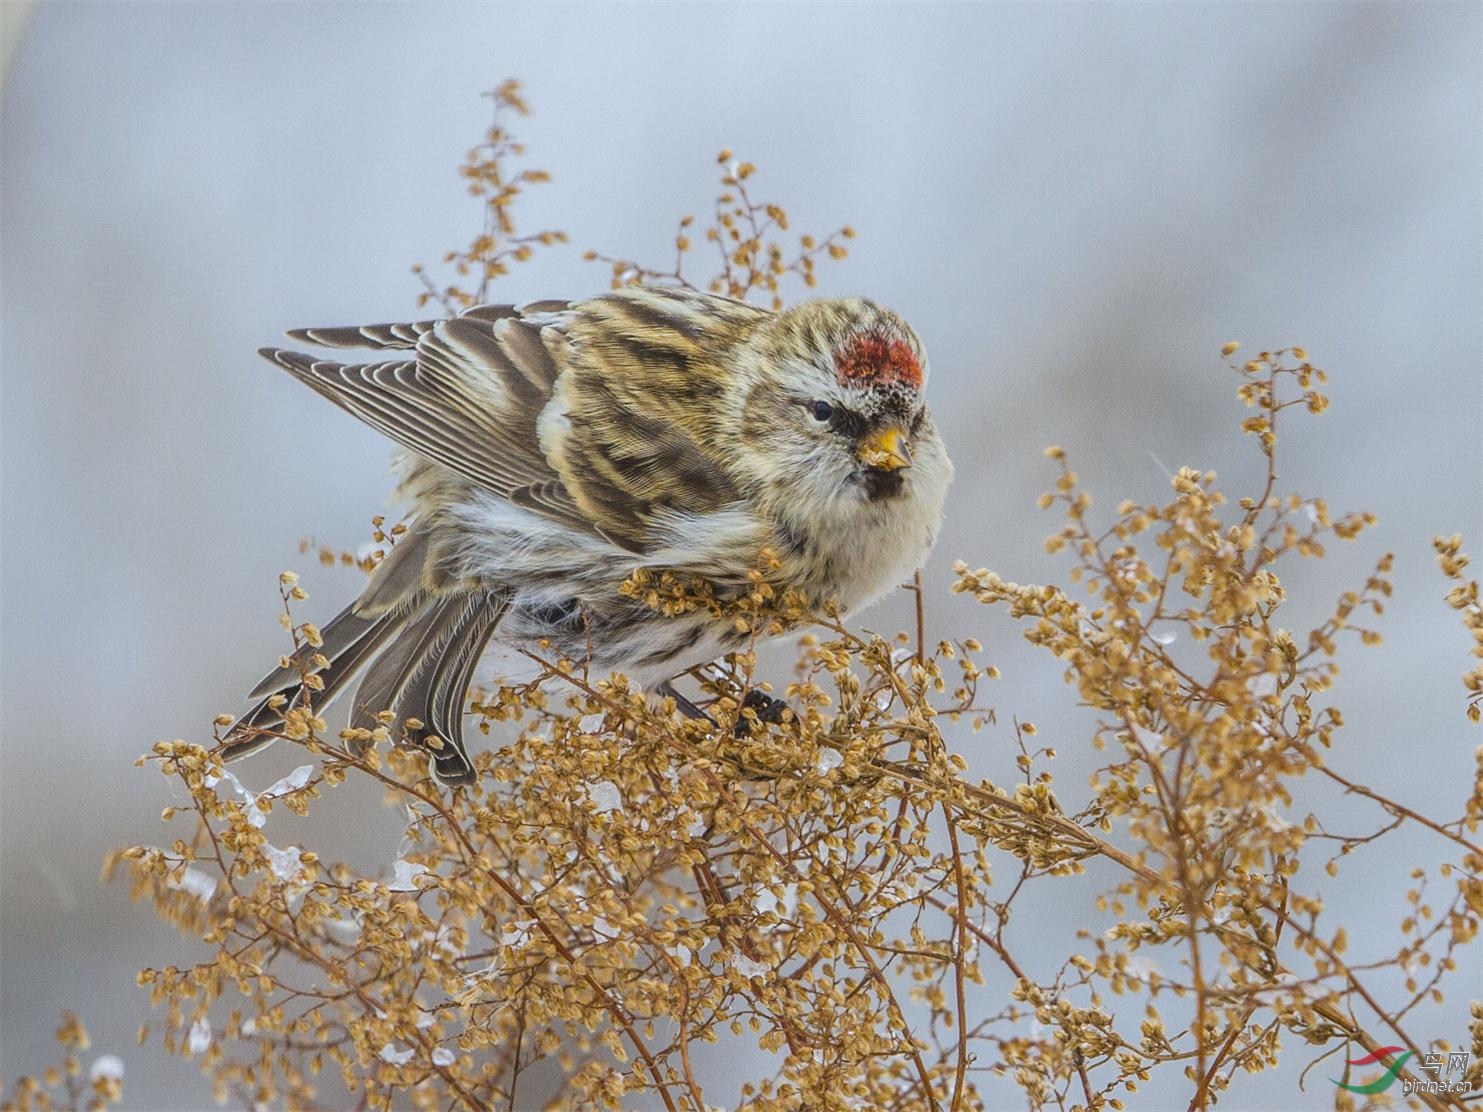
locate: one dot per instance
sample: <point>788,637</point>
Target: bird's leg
<point>682,704</point>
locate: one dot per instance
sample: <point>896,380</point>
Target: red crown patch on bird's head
<point>873,360</point>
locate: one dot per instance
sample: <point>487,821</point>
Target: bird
<point>552,449</point>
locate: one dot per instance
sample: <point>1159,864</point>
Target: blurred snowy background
<point>1075,206</point>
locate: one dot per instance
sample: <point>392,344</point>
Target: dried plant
<point>743,231</point>
<point>623,886</point>
<point>491,178</point>
<point>64,1088</point>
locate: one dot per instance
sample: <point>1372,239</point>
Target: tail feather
<point>418,661</point>
<point>391,674</point>
<point>441,687</point>
<point>401,576</point>
<point>396,584</point>
<point>350,643</point>
<point>344,631</point>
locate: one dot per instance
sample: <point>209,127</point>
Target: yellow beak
<point>886,450</point>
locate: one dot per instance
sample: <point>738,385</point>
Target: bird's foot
<point>764,706</point>
<point>766,709</point>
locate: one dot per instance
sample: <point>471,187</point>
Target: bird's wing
<point>641,428</point>
<point>575,411</point>
<point>469,399</point>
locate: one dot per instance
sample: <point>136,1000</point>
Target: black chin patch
<point>881,484</point>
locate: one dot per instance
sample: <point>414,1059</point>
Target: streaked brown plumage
<point>555,447</point>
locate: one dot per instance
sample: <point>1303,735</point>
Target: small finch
<point>553,449</point>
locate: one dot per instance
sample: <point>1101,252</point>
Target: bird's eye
<point>822,411</point>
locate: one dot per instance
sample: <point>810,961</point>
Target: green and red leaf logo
<point>1386,1079</point>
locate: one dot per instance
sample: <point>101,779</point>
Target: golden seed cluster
<point>743,234</point>
<point>491,179</point>
<point>622,886</point>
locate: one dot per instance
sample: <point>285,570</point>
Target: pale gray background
<point>1075,205</point>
